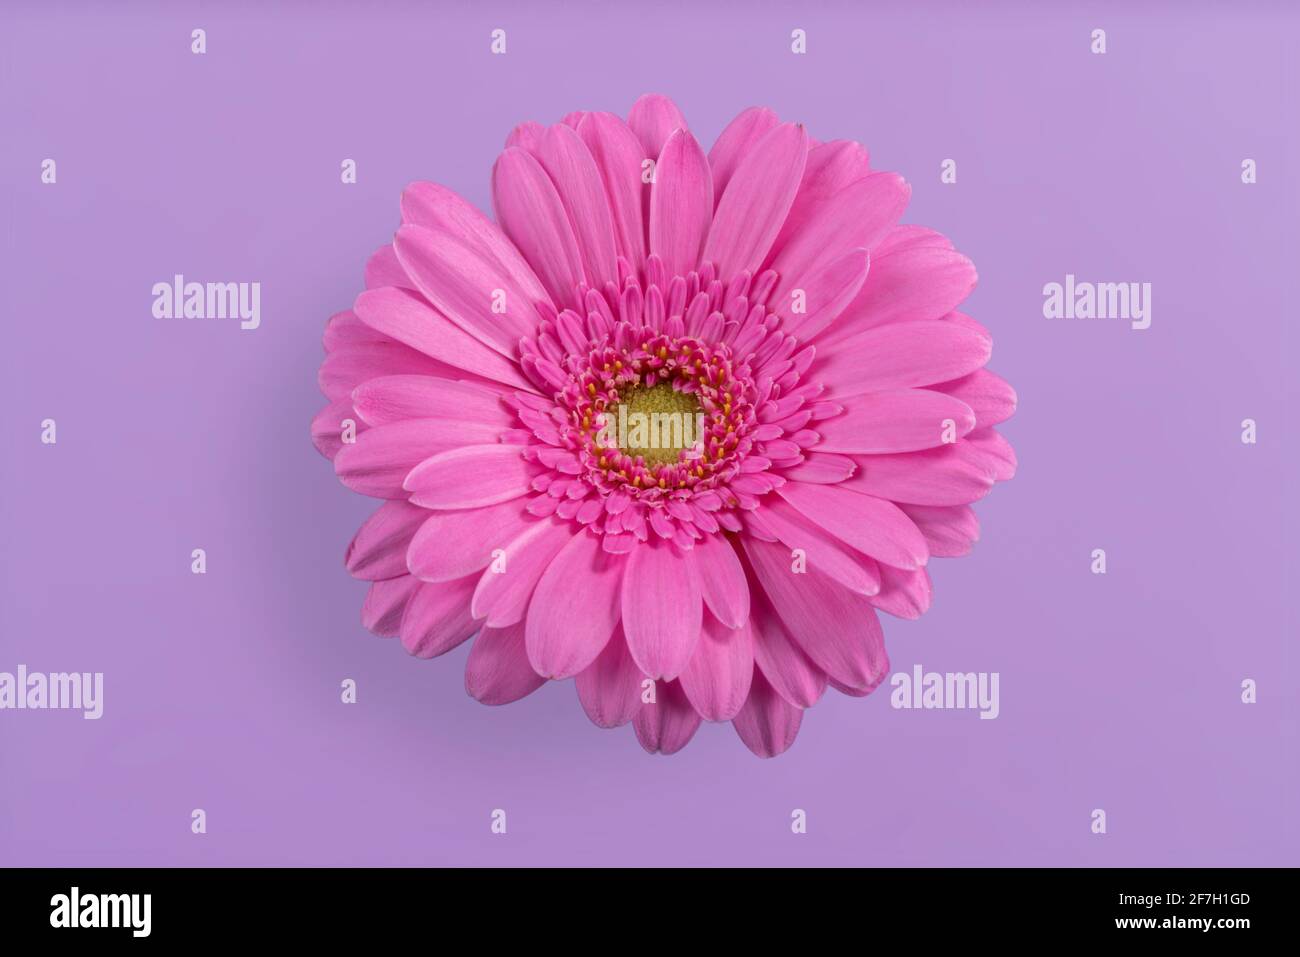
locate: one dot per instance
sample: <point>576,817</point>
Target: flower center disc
<point>658,423</point>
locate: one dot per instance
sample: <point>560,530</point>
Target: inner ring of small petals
<point>667,375</point>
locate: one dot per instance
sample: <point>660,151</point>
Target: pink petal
<point>574,608</point>
<point>949,475</point>
<point>950,530</point>
<point>995,452</point>
<point>401,315</point>
<point>386,603</point>
<point>497,670</point>
<point>767,723</point>
<point>826,292</point>
<point>901,356</point>
<point>503,597</point>
<point>716,679</point>
<point>990,397</point>
<point>856,217</point>
<point>344,330</point>
<point>454,544</point>
<point>384,269</point>
<point>610,687</point>
<point>572,169</point>
<point>653,118</point>
<point>913,283</point>
<point>837,629</point>
<point>751,211</point>
<point>821,468</point>
<point>667,724</point>
<point>437,618</point>
<point>441,210</point>
<point>722,580</point>
<point>463,285</point>
<point>875,526</point>
<point>681,204</point>
<point>618,155</point>
<point>394,398</point>
<point>904,594</point>
<point>380,459</point>
<point>328,424</point>
<point>785,665</point>
<point>661,609</point>
<point>532,215</point>
<point>899,420</point>
<point>736,142</point>
<point>470,476</point>
<point>378,550</point>
<point>822,550</point>
<point>349,366</point>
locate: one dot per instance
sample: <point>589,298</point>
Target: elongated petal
<point>874,526</point>
<point>532,215</point>
<point>786,666</point>
<point>856,217</point>
<point>752,209</point>
<point>470,476</point>
<point>722,580</point>
<point>821,550</point>
<point>386,603</point>
<point>661,609</point>
<point>357,362</point>
<point>899,420</point>
<point>497,670</point>
<point>904,594</point>
<point>572,169</point>
<point>716,680</point>
<point>441,210</point>
<point>681,204</point>
<point>574,608</point>
<point>735,142</point>
<point>401,315</point>
<point>395,398</point>
<point>990,397</point>
<point>836,628</point>
<point>610,687</point>
<point>831,167</point>
<point>379,460</point>
<point>454,544</point>
<point>331,424</point>
<point>767,723</point>
<point>823,295</point>
<point>666,724</point>
<point>378,550</point>
<point>653,118</point>
<point>472,294</point>
<point>914,283</point>
<point>437,618</point>
<point>949,475</point>
<point>619,155</point>
<point>821,468</point>
<point>901,356</point>
<point>502,596</point>
<point>949,530</point>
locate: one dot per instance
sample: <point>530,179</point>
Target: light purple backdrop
<point>1119,692</point>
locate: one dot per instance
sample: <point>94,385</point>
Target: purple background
<point>222,691</point>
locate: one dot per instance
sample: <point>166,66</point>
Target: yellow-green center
<point>657,423</point>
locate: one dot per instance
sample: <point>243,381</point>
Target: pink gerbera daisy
<point>825,413</point>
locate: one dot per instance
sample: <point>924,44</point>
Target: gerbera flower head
<point>676,426</point>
